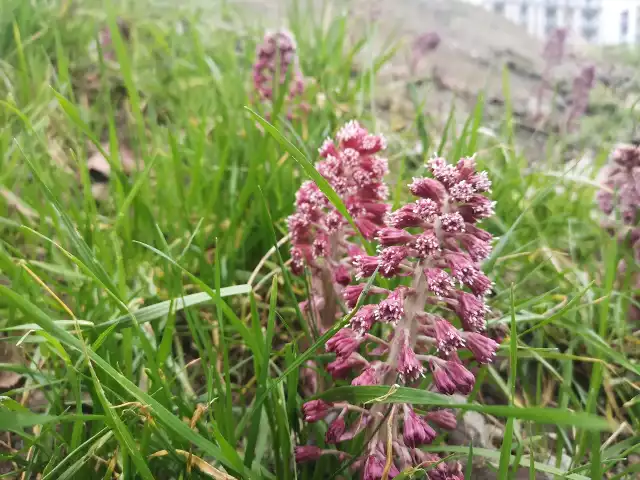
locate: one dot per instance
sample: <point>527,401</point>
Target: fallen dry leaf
<point>203,466</point>
<point>9,353</point>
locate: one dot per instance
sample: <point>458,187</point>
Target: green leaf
<point>16,421</point>
<point>161,309</point>
<point>385,394</point>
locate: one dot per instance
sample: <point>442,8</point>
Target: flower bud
<point>343,343</point>
<point>315,410</point>
<point>416,431</point>
<point>427,188</point>
<point>442,418</point>
<point>336,430</point>
<point>483,348</point>
<point>307,453</point>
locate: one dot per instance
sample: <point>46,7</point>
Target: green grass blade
<point>162,415</point>
<point>385,394</point>
<point>310,170</point>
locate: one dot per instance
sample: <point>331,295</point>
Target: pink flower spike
<point>315,410</point>
<point>344,343</point>
<point>277,54</point>
<point>427,188</point>
<point>307,453</point>
<point>335,431</point>
<point>483,348</point>
<point>393,236</point>
<point>365,266</point>
<point>409,367</point>
<point>462,377</point>
<point>442,418</point>
<point>439,282</point>
<point>416,431</point>
<point>391,309</point>
<point>448,338</point>
<point>363,320</point>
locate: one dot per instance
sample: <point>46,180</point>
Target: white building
<point>604,22</point>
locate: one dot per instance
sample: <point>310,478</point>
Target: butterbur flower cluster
<point>554,48</point>
<point>434,246</point>
<point>276,59</point>
<point>619,200</point>
<point>582,85</point>
<point>553,55</point>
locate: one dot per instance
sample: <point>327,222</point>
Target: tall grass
<point>146,352</point>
